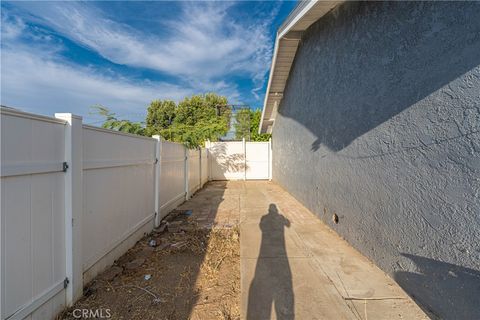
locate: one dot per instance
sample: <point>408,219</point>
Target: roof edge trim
<point>291,22</point>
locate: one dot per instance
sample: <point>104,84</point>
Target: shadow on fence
<point>225,162</point>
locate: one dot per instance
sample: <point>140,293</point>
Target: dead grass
<point>195,274</point>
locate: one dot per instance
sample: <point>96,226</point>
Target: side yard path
<point>287,264</point>
<point>294,266</point>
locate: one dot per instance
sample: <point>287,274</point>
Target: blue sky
<point>68,56</point>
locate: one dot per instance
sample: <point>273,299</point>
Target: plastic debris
<point>147,277</point>
<point>180,244</point>
<point>152,243</point>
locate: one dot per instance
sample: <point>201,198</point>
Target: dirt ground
<point>189,273</point>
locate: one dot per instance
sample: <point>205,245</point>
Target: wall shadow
<point>452,291</point>
<point>272,282</point>
<point>362,65</point>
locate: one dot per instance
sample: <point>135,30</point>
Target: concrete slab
<point>287,288</point>
<point>275,242</point>
<point>292,264</point>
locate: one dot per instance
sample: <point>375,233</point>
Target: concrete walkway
<point>293,265</point>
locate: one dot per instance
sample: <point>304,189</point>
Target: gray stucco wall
<point>380,124</point>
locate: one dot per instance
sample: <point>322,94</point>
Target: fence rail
<point>74,199</point>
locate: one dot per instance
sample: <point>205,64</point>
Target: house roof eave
<point>286,43</point>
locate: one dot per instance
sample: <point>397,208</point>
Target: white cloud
<point>12,27</point>
<point>202,45</point>
<point>35,78</point>
<point>36,82</point>
<point>46,86</point>
<point>202,48</point>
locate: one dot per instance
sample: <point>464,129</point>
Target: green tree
<point>111,122</point>
<point>242,124</point>
<point>246,125</point>
<point>196,119</point>
<point>198,108</point>
<point>255,116</point>
<point>160,116</point>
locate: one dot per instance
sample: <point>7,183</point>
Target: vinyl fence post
<point>200,168</point>
<point>209,165</point>
<point>158,175</point>
<point>244,159</point>
<point>270,159</point>
<point>207,158</point>
<point>73,168</point>
<point>187,168</point>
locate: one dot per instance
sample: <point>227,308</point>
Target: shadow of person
<point>272,282</point>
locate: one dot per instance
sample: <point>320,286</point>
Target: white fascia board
<point>280,35</point>
<point>269,84</point>
<point>297,18</point>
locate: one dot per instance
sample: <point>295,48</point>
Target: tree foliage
<point>242,124</point>
<point>255,118</point>
<point>160,114</point>
<point>111,122</point>
<point>193,121</point>
<point>247,124</point>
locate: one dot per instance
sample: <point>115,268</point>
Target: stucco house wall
<point>379,124</point>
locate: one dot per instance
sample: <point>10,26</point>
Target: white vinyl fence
<point>173,185</point>
<point>194,167</point>
<point>74,199</point>
<point>118,197</point>
<point>33,216</point>
<point>257,160</point>
<point>204,172</point>
<point>240,160</point>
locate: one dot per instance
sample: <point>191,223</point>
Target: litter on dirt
<point>152,243</point>
<point>190,272</point>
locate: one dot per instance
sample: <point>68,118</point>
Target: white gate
<point>240,160</point>
<point>257,160</point>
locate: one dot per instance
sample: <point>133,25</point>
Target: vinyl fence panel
<point>257,160</point>
<point>193,171</point>
<point>227,160</point>
<point>118,180</point>
<point>239,160</point>
<point>173,176</point>
<point>32,184</point>
<point>204,166</point>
